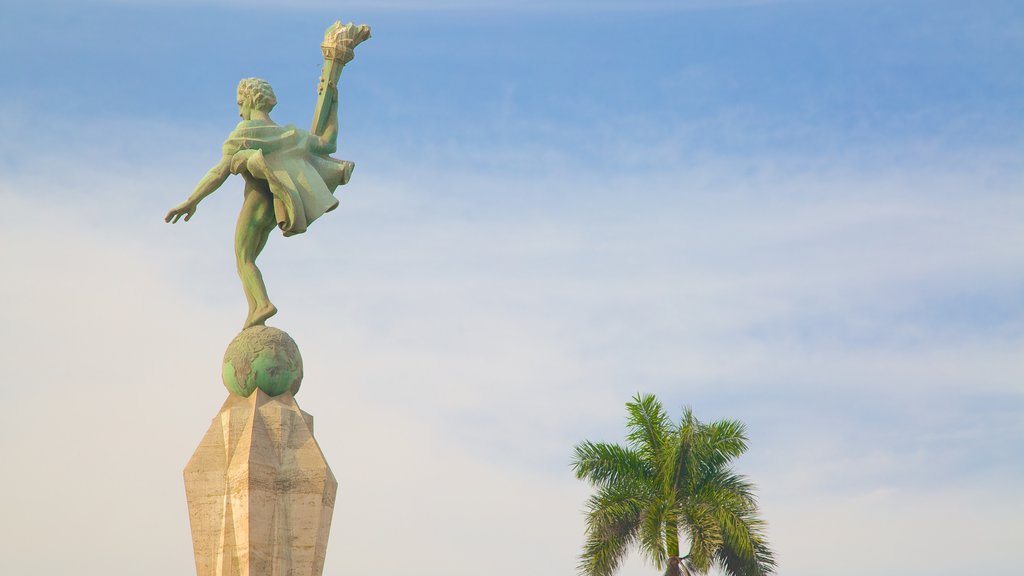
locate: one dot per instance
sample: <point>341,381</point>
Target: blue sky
<point>805,215</point>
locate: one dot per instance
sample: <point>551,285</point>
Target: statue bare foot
<point>260,315</point>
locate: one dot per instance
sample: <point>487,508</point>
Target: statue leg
<point>255,223</point>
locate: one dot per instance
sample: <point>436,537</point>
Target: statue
<point>289,175</point>
<point>260,493</point>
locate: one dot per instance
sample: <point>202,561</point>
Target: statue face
<point>244,110</point>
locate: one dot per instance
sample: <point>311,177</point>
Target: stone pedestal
<point>260,494</point>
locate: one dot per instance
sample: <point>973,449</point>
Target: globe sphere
<point>265,358</point>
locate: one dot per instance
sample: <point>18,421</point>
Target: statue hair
<point>257,93</point>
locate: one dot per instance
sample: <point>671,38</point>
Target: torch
<point>339,49</point>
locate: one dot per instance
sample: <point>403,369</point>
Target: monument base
<point>260,494</point>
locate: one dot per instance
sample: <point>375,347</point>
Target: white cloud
<point>911,532</point>
<point>458,343</point>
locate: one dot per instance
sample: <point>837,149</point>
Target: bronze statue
<point>289,176</point>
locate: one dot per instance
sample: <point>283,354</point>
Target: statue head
<point>255,94</point>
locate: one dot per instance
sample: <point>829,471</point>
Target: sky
<point>805,215</point>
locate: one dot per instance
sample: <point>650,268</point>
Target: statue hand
<point>186,209</point>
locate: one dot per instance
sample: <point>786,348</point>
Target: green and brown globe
<point>265,358</point>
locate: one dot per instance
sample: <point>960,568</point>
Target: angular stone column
<point>260,494</point>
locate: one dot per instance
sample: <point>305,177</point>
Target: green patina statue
<point>289,176</point>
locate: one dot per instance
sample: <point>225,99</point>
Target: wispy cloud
<point>506,269</point>
<point>477,337</point>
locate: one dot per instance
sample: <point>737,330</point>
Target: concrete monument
<point>260,493</point>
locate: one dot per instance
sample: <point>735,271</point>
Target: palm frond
<point>679,462</point>
<point>651,533</point>
<point>612,507</point>
<point>605,464</point>
<point>723,441</point>
<point>648,424</point>
<point>744,550</point>
<point>612,523</point>
<point>705,535</point>
<point>721,485</point>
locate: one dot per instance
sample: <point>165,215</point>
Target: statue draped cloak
<point>286,162</point>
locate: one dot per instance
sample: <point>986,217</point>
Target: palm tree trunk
<point>674,568</point>
<point>672,547</point>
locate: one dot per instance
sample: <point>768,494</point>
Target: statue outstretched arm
<point>213,180</point>
<point>327,143</point>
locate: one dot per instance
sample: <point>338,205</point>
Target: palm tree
<point>671,482</point>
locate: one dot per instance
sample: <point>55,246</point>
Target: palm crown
<point>671,480</point>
